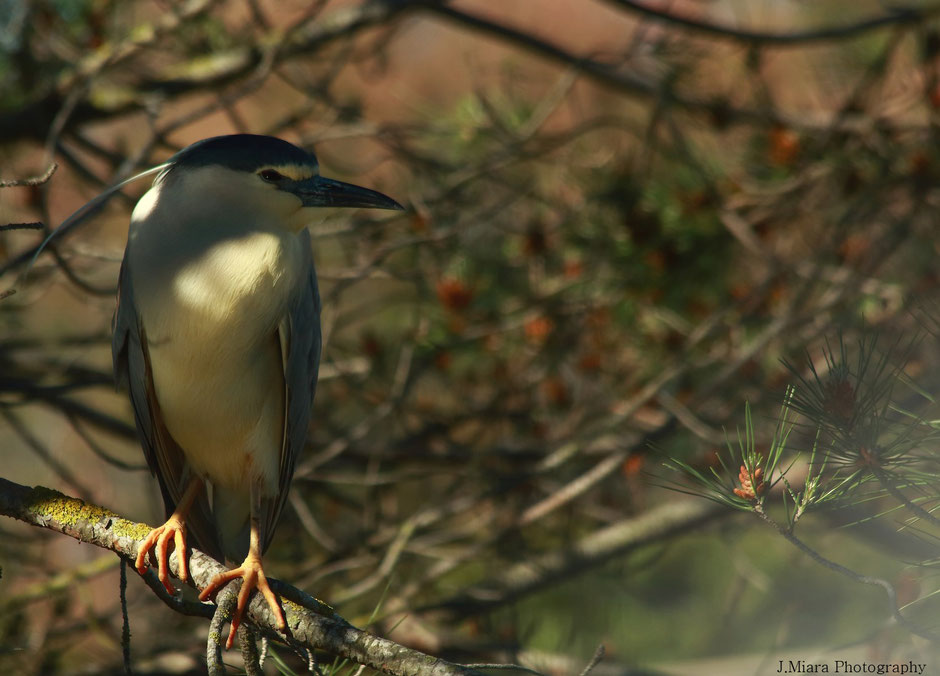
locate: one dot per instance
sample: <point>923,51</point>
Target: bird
<point>216,337</point>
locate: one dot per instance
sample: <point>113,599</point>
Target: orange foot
<point>253,575</point>
<point>173,530</point>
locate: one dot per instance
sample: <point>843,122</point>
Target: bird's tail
<point>232,518</point>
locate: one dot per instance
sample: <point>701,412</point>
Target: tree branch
<point>888,588</point>
<point>30,182</point>
<point>899,16</point>
<point>618,539</point>
<point>34,120</point>
<point>311,623</point>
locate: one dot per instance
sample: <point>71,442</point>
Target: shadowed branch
<point>313,625</point>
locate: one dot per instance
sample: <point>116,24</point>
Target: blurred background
<point>623,218</point>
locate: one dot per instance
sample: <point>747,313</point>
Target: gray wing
<point>164,456</point>
<point>299,335</point>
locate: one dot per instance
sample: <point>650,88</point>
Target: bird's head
<point>262,174</point>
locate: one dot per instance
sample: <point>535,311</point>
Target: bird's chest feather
<point>211,326</point>
<point>226,299</point>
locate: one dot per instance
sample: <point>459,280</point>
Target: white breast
<point>210,299</point>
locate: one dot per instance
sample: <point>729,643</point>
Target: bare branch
<point>595,660</point>
<point>657,525</point>
<point>601,72</point>
<point>32,225</point>
<point>890,593</point>
<point>34,181</point>
<point>35,119</point>
<point>315,626</point>
<point>896,16</point>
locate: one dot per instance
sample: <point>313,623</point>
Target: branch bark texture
<point>311,623</point>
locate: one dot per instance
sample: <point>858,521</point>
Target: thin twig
<point>899,16</point>
<point>31,225</point>
<point>125,620</point>
<point>849,573</point>
<point>595,660</point>
<point>504,667</point>
<point>898,495</point>
<point>34,181</point>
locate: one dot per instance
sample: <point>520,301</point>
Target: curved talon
<point>159,538</point>
<point>253,577</point>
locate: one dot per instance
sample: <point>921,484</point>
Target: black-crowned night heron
<point>217,336</point>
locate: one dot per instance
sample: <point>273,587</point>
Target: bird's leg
<point>173,530</point>
<point>252,575</point>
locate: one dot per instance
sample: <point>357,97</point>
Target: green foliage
<point>864,444</point>
<point>755,470</point>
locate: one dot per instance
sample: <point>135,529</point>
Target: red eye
<point>270,175</point>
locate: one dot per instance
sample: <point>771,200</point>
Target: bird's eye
<point>271,175</point>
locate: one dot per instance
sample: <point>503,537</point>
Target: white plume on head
<point>83,212</point>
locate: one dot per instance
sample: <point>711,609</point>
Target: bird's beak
<point>318,191</point>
